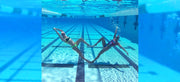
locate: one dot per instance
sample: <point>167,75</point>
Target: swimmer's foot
<point>89,61</point>
<point>92,62</point>
<point>90,46</point>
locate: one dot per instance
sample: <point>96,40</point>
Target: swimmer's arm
<point>122,47</point>
<point>58,34</point>
<point>59,29</point>
<point>115,32</point>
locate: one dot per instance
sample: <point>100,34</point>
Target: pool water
<point>90,7</point>
<point>20,53</point>
<point>58,58</point>
<point>159,47</point>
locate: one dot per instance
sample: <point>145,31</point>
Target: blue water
<point>90,7</point>
<point>20,48</point>
<point>20,41</point>
<point>159,41</point>
<point>157,29</point>
<point>56,53</point>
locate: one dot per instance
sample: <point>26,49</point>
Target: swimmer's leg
<point>80,54</point>
<point>103,42</point>
<point>81,40</point>
<point>100,53</point>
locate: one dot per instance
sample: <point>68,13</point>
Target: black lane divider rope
<point>120,52</point>
<point>16,57</point>
<point>55,48</point>
<point>92,50</point>
<point>80,67</point>
<point>53,41</point>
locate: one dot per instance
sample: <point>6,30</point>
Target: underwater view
<point>159,48</point>
<point>70,28</point>
<point>58,57</point>
<point>20,30</point>
<point>137,40</point>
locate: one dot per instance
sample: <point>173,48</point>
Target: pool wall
<point>158,38</point>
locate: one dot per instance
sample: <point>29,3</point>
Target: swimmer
<point>69,41</point>
<point>118,1</point>
<point>107,46</point>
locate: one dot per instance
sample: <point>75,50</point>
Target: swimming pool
<point>159,47</point>
<point>90,7</point>
<point>58,58</point>
<point>89,20</point>
<point>22,49</point>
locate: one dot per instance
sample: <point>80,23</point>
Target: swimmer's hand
<point>90,61</point>
<point>54,28</point>
<point>117,27</point>
<point>127,53</point>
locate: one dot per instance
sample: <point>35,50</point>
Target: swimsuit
<point>75,45</point>
<point>112,42</point>
<point>67,39</point>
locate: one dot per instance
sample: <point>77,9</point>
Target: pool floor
<point>61,63</point>
<point>20,61</point>
<point>151,71</point>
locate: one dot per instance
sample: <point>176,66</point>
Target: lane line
<point>120,52</point>
<point>56,47</point>
<point>16,57</point>
<point>24,63</point>
<point>46,47</point>
<point>80,67</point>
<point>92,50</point>
<point>57,65</point>
<point>47,32</point>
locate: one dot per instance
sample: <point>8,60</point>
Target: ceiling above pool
<point>90,7</point>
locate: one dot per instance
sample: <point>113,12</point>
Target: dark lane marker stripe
<point>16,57</point>
<point>47,32</point>
<point>80,68</point>
<point>108,66</point>
<point>53,41</point>
<point>92,50</point>
<point>121,53</point>
<point>22,66</point>
<point>49,45</point>
<point>57,65</point>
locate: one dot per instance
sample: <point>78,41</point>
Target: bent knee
<point>81,38</point>
<point>102,38</point>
